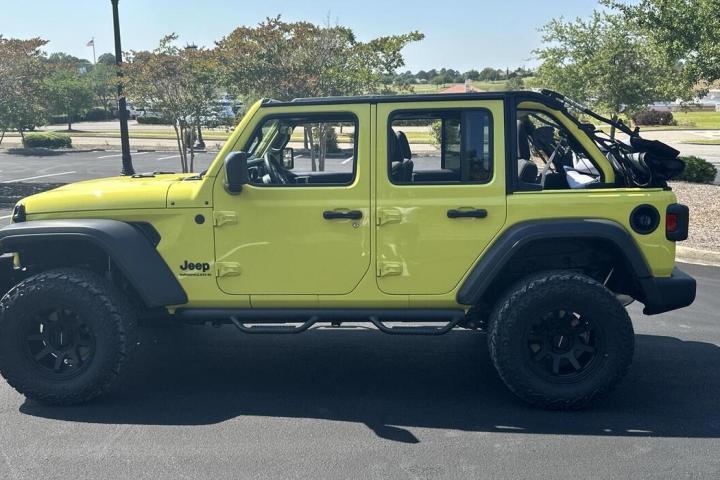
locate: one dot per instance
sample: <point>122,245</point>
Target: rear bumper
<point>663,294</point>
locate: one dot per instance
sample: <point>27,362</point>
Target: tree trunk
<point>2,137</point>
<point>322,150</point>
<point>22,135</point>
<point>313,162</point>
<point>201,142</point>
<point>192,147</point>
<point>178,136</point>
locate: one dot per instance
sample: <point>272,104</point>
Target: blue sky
<point>460,35</point>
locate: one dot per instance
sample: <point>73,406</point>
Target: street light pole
<point>127,166</point>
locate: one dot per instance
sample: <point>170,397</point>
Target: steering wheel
<point>272,170</point>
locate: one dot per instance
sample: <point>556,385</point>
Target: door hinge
<point>223,218</point>
<point>386,269</point>
<point>227,269</point>
<point>388,215</point>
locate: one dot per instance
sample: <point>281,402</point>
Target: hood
<point>113,193</point>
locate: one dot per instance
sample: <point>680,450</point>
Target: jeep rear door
<point>441,195</point>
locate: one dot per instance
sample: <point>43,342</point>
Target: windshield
<point>264,139</point>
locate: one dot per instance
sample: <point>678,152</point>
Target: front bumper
<point>663,294</point>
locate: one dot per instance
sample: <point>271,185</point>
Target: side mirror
<point>236,172</point>
<point>288,158</point>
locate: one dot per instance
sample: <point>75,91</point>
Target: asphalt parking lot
<point>73,167</point>
<point>199,402</point>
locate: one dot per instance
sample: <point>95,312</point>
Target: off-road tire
<point>97,302</point>
<point>559,290</point>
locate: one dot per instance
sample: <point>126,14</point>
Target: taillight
<point>677,220</point>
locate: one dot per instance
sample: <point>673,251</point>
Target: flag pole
<point>93,42</point>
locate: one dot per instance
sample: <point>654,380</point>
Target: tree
<point>440,79</point>
<point>178,83</point>
<point>22,90</point>
<point>103,81</point>
<point>300,59</point>
<point>489,74</point>
<point>685,31</point>
<point>473,75</point>
<point>515,83</point>
<point>106,59</point>
<point>69,93</point>
<point>287,60</point>
<point>606,64</point>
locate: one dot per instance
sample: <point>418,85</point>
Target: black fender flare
<point>126,245</point>
<point>514,238</point>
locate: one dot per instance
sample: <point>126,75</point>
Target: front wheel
<point>560,339</point>
<point>64,336</point>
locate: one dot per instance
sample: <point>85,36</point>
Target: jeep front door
<point>301,227</point>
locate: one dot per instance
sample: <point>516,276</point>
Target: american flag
<point>91,43</point>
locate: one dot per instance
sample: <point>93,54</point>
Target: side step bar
<point>273,328</point>
<point>276,320</point>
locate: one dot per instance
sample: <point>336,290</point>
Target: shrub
<point>97,114</point>
<point>697,170</point>
<point>47,140</point>
<point>58,119</point>
<point>654,117</point>
<point>149,120</point>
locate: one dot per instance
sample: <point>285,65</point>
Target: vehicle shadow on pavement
<point>200,376</point>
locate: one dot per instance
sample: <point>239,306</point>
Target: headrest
<point>544,138</point>
<point>523,143</point>
<point>392,146</point>
<point>403,147</point>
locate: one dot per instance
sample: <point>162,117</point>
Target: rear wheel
<point>560,339</point>
<point>64,336</point>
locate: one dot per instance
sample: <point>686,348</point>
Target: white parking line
<point>167,158</point>
<point>37,176</point>
<point>5,216</point>
<point>120,155</point>
<point>347,160</point>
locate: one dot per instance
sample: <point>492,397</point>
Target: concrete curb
<point>697,256</point>
<point>48,152</point>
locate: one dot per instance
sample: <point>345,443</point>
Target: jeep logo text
<point>202,267</point>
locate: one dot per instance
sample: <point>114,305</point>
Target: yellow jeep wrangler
<point>500,212</point>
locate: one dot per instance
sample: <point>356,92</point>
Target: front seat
<point>407,165</point>
<point>527,171</point>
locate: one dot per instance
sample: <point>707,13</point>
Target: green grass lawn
<point>702,142</point>
<point>707,120</point>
